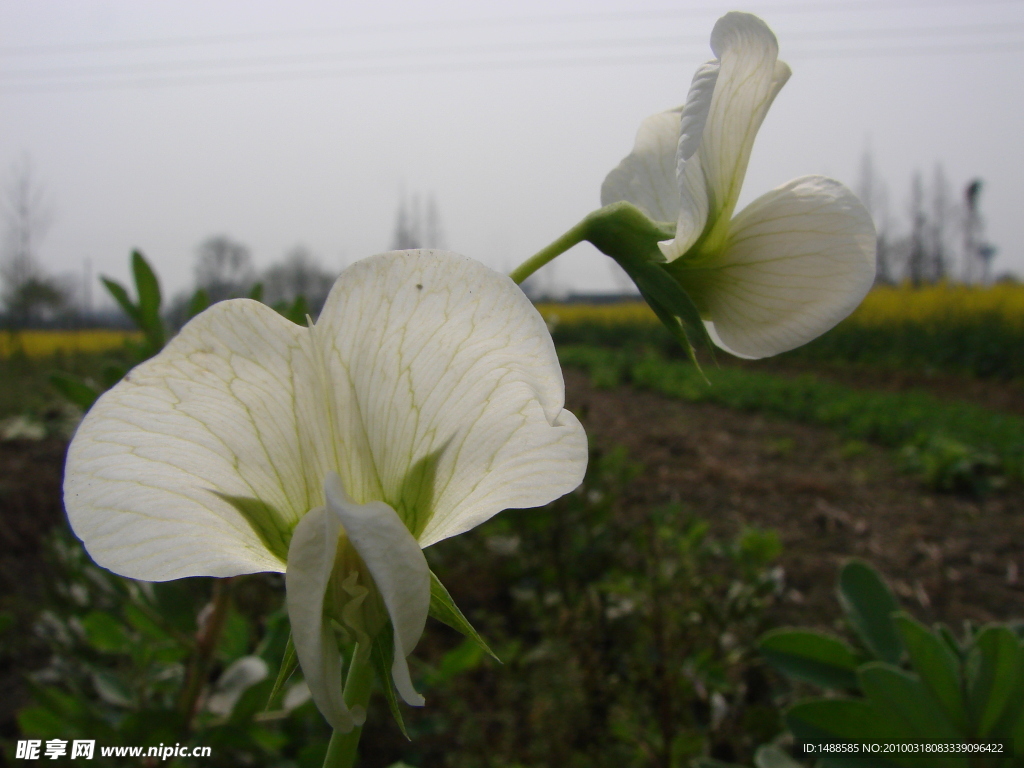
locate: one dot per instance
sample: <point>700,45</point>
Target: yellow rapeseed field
<point>620,313</point>
<point>39,343</point>
<point>929,305</point>
<point>943,304</point>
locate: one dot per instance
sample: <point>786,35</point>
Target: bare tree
<point>978,253</point>
<point>916,261</point>
<point>223,268</point>
<point>873,193</point>
<point>28,294</point>
<point>940,226</point>
<point>299,274</point>
<point>417,225</point>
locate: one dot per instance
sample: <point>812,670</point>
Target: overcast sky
<point>155,125</point>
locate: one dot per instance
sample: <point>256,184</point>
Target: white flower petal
<point>399,570</point>
<point>799,259</point>
<point>311,555</point>
<point>222,413</point>
<point>749,78</point>
<point>448,396</point>
<point>646,177</point>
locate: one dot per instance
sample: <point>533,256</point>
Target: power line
<point>492,65</point>
<point>138,71</point>
<point>832,6</point>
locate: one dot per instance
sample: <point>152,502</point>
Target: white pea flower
<point>791,264</point>
<point>426,398</point>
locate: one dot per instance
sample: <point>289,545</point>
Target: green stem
<point>575,235</point>
<point>341,752</point>
<point>206,644</point>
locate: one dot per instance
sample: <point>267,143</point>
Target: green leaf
<point>112,689</point>
<point>771,756</point>
<point>850,721</point>
<point>298,311</point>
<point>289,663</point>
<point>869,605</point>
<point>121,297</point>
<point>462,658</point>
<point>74,389</point>
<point>444,609</point>
<point>995,691</point>
<point>382,654</point>
<point>256,292</point>
<point>200,300</point>
<point>113,374</point>
<point>938,667</point>
<point>234,637</point>
<point>104,633</point>
<point>148,288</point>
<point>812,657</point>
<point>902,698</point>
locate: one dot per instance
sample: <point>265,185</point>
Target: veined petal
<point>311,556</point>
<point>399,570</point>
<point>165,463</point>
<point>748,79</point>
<point>798,260</point>
<point>646,177</point>
<point>448,396</point>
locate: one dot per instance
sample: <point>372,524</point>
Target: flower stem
<point>206,644</point>
<point>341,752</point>
<point>575,235</point>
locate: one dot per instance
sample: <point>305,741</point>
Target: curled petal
<point>311,555</point>
<point>447,393</point>
<point>735,102</point>
<point>798,260</point>
<point>195,464</point>
<point>646,177</point>
<point>399,571</point>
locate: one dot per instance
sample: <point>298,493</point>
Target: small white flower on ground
<point>791,264</point>
<point>426,398</point>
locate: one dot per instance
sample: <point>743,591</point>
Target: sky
<point>157,125</point>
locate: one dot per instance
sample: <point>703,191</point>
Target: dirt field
<point>949,558</point>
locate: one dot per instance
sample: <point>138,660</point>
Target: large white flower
<point>426,398</point>
<point>790,265</point>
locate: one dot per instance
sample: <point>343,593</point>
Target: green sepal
<point>444,609</point>
<point>74,389</point>
<point>625,233</point>
<point>289,663</point>
<point>382,653</point>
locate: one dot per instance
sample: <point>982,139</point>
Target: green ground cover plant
<point>903,683</point>
<point>964,330</point>
<point>625,639</point>
<point>954,446</point>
